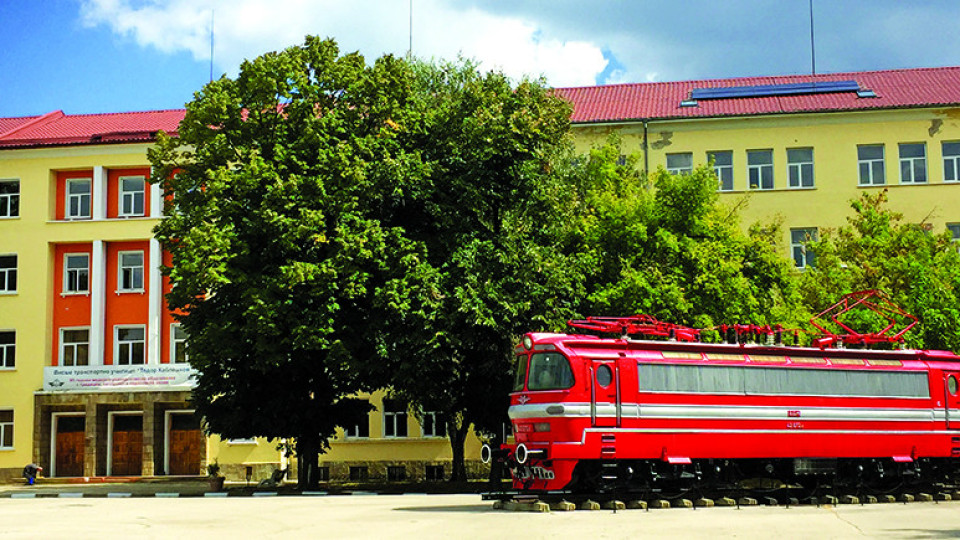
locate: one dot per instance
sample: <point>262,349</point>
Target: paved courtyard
<point>449,516</point>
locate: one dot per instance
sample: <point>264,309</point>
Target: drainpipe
<point>646,153</point>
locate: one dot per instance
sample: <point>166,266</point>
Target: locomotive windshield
<point>519,372</point>
<point>549,371</point>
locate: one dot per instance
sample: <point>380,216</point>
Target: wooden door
<point>127,448</point>
<point>70,445</point>
<point>187,445</point>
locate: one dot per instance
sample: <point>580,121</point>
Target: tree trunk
<point>308,454</point>
<point>458,435</point>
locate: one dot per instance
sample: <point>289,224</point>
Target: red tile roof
<point>905,88</point>
<point>59,129</point>
<point>896,89</point>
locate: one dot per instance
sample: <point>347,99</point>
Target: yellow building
<point>94,376</point>
<point>798,147</point>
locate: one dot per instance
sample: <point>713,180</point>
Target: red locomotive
<point>598,414</point>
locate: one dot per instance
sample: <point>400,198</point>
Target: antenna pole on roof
<point>211,45</point>
<point>813,52</point>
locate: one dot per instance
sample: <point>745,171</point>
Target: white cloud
<point>248,28</point>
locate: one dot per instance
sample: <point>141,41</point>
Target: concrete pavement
<point>445,516</point>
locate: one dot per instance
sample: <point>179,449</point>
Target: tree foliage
<point>666,246</point>
<point>279,267</point>
<point>917,269</point>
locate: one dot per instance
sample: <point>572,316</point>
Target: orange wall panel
<point>113,189</point>
<point>69,310</point>
<point>122,308</point>
<point>62,178</point>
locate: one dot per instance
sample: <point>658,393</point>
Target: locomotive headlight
<point>541,427</point>
<point>527,342</point>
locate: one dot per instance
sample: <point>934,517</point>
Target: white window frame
<point>8,275</point>
<point>353,432</point>
<point>395,419</point>
<point>73,346</point>
<point>759,169</point>
<point>799,247</point>
<point>67,272</point>
<point>913,165</point>
<point>436,422</point>
<point>954,229</point>
<point>121,270</point>
<point>7,200</point>
<point>951,162</point>
<point>870,163</point>
<point>174,342</point>
<point>8,351</point>
<point>118,346</point>
<point>6,430</point>
<point>800,171</point>
<point>722,170</point>
<point>131,197</point>
<point>81,198</point>
<point>680,168</point>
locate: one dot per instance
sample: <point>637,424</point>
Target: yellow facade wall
<point>834,138</point>
<point>32,236</point>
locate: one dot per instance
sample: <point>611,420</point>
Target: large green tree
<point>916,268</point>
<point>482,212</point>
<point>280,268</point>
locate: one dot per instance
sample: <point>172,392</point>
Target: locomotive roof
<point>757,354</point>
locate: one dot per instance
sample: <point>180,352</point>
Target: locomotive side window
<point>604,375</point>
<point>952,385</point>
<point>781,381</point>
<point>549,371</point>
<point>519,372</point>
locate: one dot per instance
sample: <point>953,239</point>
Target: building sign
<point>118,378</point>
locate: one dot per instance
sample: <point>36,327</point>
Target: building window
<point>359,474</point>
<point>9,198</point>
<point>8,349</point>
<point>799,238</point>
<point>78,198</point>
<point>130,277</point>
<point>178,345</point>
<point>323,474</point>
<point>435,473</point>
<point>6,430</point>
<point>358,427</point>
<point>131,345</point>
<point>394,418</point>
<point>800,167</point>
<point>723,167</point>
<point>396,473</point>
<point>760,169</point>
<point>954,229</point>
<point>76,273</point>
<point>913,163</point>
<point>680,163</point>
<point>432,425</point>
<point>8,274</point>
<point>132,196</point>
<point>951,164</point>
<point>870,162</point>
<point>74,347</point>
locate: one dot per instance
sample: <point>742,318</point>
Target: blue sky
<point>90,56</point>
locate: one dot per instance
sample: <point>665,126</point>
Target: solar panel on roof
<point>762,90</point>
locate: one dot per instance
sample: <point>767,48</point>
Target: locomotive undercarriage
<point>783,478</point>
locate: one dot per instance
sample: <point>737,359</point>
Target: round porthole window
<point>604,375</point>
<point>952,384</point>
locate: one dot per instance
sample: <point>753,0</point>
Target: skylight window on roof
<point>763,90</point>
